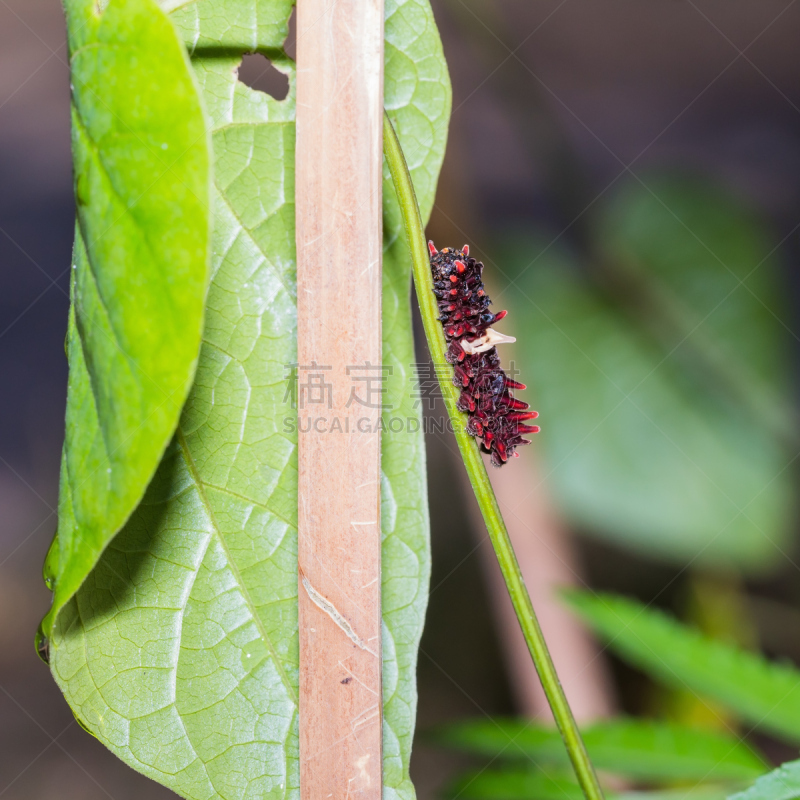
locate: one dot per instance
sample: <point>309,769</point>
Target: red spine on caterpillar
<point>496,417</point>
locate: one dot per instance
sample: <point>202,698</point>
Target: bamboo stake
<point>338,195</point>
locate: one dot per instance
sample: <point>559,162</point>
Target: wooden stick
<point>338,195</point>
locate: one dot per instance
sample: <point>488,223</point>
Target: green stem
<point>477,472</point>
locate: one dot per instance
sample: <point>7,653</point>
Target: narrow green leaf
<point>514,784</point>
<point>180,650</point>
<point>762,693</point>
<point>525,783</point>
<point>782,783</point>
<point>140,269</point>
<point>642,749</point>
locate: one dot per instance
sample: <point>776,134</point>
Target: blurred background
<point>629,172</point>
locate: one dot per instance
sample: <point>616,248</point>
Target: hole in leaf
<point>259,73</point>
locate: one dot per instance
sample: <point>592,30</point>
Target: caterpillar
<point>496,418</point>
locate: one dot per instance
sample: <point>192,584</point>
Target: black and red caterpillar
<point>496,417</point>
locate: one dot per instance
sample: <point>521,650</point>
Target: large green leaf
<point>782,783</point>
<point>180,650</point>
<point>764,694</point>
<point>140,269</point>
<point>642,749</point>
<point>663,412</point>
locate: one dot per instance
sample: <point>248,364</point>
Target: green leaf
<point>646,446</point>
<point>762,693</point>
<point>707,263</point>
<point>514,784</point>
<point>180,650</point>
<point>782,783</point>
<point>417,97</point>
<point>642,749</point>
<point>524,783</point>
<point>140,270</point>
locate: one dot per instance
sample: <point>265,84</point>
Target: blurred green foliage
<point>645,750</point>
<point>659,363</point>
<point>660,758</point>
<point>762,693</point>
<point>529,783</point>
